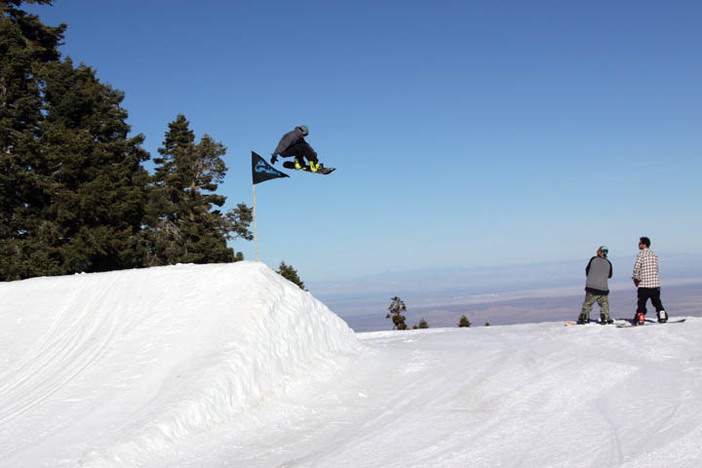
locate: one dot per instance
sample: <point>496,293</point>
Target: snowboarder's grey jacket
<point>598,270</point>
<point>289,139</point>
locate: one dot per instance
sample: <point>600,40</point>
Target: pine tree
<point>397,307</point>
<point>422,324</point>
<point>97,181</point>
<point>186,225</point>
<point>26,46</point>
<point>290,274</point>
<point>237,222</point>
<point>71,182</point>
<point>464,322</point>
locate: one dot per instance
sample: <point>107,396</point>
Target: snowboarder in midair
<point>293,144</point>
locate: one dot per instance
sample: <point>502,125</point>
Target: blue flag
<point>261,171</point>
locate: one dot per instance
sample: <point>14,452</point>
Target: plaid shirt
<point>646,269</point>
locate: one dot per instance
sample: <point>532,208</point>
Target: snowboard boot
<point>298,165</point>
<point>604,320</point>
<point>583,319</point>
<point>662,316</point>
<point>639,318</point>
<point>314,167</point>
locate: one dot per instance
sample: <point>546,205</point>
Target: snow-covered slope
<point>231,365</point>
<point>108,367</point>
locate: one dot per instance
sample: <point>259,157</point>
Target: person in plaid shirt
<point>646,280</point>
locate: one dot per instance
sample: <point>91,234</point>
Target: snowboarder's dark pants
<point>300,150</point>
<point>644,294</point>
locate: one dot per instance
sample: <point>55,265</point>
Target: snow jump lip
<point>186,346</point>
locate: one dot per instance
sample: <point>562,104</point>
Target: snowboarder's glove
<point>636,282</point>
<point>274,158</point>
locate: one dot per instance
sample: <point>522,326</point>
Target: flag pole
<point>261,171</point>
<point>254,220</point>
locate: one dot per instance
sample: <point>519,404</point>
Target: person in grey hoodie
<point>293,144</point>
<point>598,271</point>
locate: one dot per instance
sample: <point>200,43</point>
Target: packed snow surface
<point>232,365</point>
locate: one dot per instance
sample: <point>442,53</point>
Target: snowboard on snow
<point>592,322</point>
<point>322,170</point>
<point>629,323</point>
<point>626,323</point>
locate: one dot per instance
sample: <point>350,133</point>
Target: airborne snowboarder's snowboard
<point>322,170</point>
<point>626,323</point>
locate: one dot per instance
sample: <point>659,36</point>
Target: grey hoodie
<point>598,270</point>
<point>288,140</point>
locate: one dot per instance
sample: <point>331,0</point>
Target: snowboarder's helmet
<point>303,130</point>
<point>604,249</point>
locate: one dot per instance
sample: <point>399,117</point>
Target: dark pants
<point>300,150</point>
<point>644,294</point>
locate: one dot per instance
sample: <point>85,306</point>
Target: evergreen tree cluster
<point>74,194</point>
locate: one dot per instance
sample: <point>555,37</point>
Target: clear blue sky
<point>465,133</point>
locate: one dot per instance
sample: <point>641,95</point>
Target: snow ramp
<point>103,369</point>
